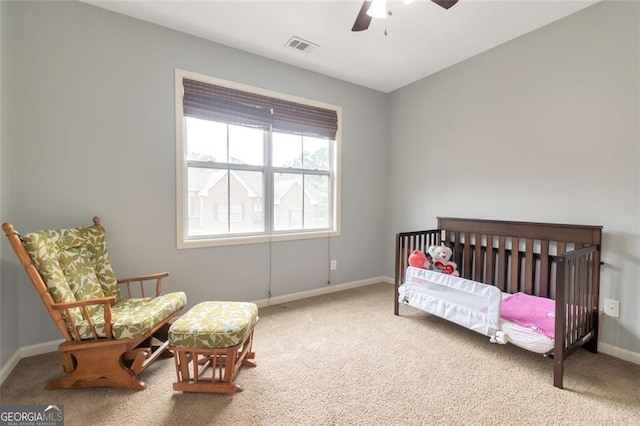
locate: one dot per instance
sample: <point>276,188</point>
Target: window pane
<point>287,150</point>
<point>316,201</point>
<point>247,200</point>
<point>246,145</point>
<point>287,201</point>
<point>206,140</point>
<point>229,213</point>
<point>208,201</point>
<point>315,154</point>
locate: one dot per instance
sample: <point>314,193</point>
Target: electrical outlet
<point>334,265</point>
<point>612,308</point>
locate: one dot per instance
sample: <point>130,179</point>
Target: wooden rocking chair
<point>109,339</point>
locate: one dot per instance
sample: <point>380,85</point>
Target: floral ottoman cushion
<point>214,325</point>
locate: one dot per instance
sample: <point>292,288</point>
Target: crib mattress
<point>471,304</point>
<point>526,338</point>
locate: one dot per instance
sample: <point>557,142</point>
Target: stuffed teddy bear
<point>418,259</point>
<point>441,255</point>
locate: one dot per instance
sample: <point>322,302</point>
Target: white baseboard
<point>27,351</point>
<point>617,352</point>
<point>8,367</point>
<point>40,348</point>
<point>318,291</point>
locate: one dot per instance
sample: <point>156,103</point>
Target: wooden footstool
<point>215,335</point>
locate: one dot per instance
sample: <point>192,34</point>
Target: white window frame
<point>182,216</point>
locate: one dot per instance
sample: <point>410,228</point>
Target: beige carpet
<point>345,359</point>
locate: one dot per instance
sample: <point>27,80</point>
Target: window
<point>229,213</point>
<point>253,165</point>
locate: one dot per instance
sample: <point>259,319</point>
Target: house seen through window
<point>253,164</point>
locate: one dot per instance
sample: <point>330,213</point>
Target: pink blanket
<point>536,313</point>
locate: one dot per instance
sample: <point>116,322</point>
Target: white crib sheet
<point>471,304</point>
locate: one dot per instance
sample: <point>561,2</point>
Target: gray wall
<point>95,135</point>
<point>543,128</point>
<point>9,340</point>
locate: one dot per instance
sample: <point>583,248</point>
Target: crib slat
<point>477,258</point>
<point>584,306</point>
<point>572,302</point>
<point>562,248</point>
<point>466,257</point>
<point>591,304</point>
<point>489,260</point>
<point>544,269</point>
<point>584,296</point>
<point>578,299</point>
<point>457,253</point>
<point>529,269</point>
<point>501,266</point>
<point>515,264</point>
<point>577,303</point>
<point>402,242</point>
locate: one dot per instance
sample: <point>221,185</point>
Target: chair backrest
<point>65,266</point>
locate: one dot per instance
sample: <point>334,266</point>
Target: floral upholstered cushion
<point>41,247</point>
<point>134,317</point>
<point>214,325</point>
<point>96,238</point>
<point>78,270</point>
<point>49,248</point>
<point>75,266</point>
<point>81,277</point>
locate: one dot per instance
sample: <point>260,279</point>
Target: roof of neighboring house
<point>201,180</point>
<point>282,187</point>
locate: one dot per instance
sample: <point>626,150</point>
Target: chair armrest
<point>106,302</point>
<point>141,280</point>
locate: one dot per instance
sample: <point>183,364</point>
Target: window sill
<point>253,239</point>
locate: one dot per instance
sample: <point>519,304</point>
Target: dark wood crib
<point>556,261</point>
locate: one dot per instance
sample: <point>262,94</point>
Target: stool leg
<point>230,365</point>
<point>182,365</point>
<point>249,354</point>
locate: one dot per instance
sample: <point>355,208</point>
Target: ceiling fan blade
<point>445,3</point>
<point>363,20</point>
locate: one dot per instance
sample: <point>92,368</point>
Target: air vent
<point>301,44</point>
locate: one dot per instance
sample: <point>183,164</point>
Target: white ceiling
<point>422,39</point>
